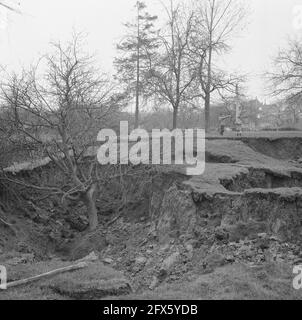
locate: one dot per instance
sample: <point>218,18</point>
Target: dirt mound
<point>95,281</point>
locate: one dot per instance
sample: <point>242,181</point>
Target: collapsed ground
<point>234,232</point>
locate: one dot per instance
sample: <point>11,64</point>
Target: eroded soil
<point>232,233</point>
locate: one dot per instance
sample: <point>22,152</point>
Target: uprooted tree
<point>59,106</point>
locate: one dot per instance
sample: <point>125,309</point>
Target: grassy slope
<point>238,282</point>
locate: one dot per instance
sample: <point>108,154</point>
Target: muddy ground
<point>232,233</point>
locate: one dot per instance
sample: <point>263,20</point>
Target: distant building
<point>250,111</point>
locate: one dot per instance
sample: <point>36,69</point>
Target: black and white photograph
<point>150,153</point>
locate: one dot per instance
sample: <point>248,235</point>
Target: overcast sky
<point>24,37</point>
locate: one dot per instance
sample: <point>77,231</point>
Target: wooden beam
<point>52,273</point>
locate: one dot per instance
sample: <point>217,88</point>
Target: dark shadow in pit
<point>261,178</point>
<point>281,148</point>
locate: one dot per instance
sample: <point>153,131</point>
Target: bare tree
<point>286,79</point>
<point>215,24</point>
<point>61,109</point>
<point>287,75</point>
<point>171,73</point>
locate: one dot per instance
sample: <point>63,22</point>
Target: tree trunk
<point>207,115</point>
<point>137,93</point>
<point>208,85</point>
<point>137,107</point>
<point>90,203</point>
<point>137,89</point>
<point>296,118</point>
<point>175,115</point>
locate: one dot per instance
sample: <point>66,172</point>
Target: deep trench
<point>74,218</point>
